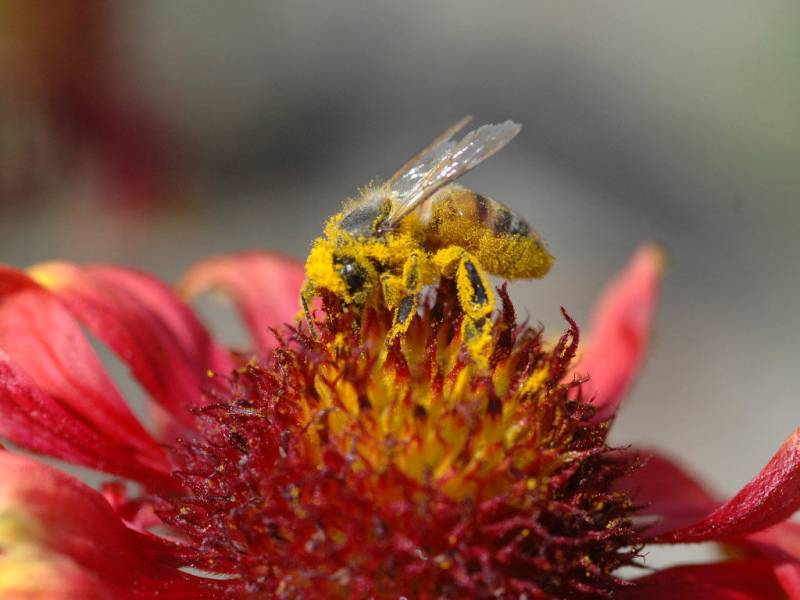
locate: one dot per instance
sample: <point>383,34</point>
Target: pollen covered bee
<point>418,227</point>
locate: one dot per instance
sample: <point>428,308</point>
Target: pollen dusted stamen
<point>346,467</point>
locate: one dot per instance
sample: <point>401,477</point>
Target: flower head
<point>351,464</point>
<point>343,467</point>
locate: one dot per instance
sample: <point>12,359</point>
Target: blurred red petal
<point>734,580</point>
<point>35,421</point>
<point>667,493</point>
<point>56,522</point>
<point>42,338</point>
<point>781,546</point>
<point>179,318</point>
<point>771,497</point>
<point>265,288</point>
<point>677,499</point>
<point>145,324</point>
<point>620,330</point>
<point>39,575</point>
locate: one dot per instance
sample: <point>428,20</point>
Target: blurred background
<point>156,133</point>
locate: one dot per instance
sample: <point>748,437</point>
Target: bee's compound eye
<point>353,274</point>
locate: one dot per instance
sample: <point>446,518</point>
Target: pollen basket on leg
<point>479,296</point>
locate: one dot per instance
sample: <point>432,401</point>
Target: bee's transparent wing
<point>444,163</point>
<point>407,176</point>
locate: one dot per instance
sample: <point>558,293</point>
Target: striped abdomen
<point>501,240</point>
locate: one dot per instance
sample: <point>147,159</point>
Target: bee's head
<point>342,270</point>
<point>350,275</point>
<point>353,275</point>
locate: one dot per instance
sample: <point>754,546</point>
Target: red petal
<point>137,513</point>
<point>771,497</point>
<point>42,338</point>
<point>146,325</point>
<point>781,546</point>
<point>679,500</point>
<point>265,288</point>
<point>667,492</point>
<point>34,420</point>
<point>620,330</point>
<point>60,523</point>
<point>191,334</point>
<point>735,580</point>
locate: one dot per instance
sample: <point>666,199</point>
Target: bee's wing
<point>443,163</point>
<point>419,164</point>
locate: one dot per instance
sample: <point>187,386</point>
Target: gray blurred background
<point>156,133</point>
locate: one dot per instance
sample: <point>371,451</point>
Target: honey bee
<point>417,227</point>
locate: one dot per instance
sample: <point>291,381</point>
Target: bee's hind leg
<point>401,293</point>
<point>475,297</point>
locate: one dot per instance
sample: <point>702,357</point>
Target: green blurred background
<point>157,133</point>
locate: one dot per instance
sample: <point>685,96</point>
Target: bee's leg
<point>405,305</point>
<point>403,314</point>
<point>393,290</point>
<point>476,298</point>
<point>474,295</point>
<point>306,294</point>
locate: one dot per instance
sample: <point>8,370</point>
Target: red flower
<point>340,467</point>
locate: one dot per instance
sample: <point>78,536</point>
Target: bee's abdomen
<point>469,209</point>
<point>500,239</point>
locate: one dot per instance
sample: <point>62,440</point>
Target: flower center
<point>349,467</point>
